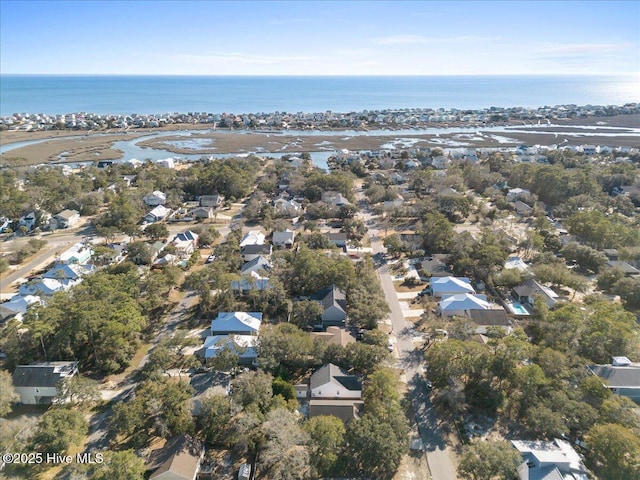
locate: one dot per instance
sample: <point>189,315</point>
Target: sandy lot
<point>93,146</point>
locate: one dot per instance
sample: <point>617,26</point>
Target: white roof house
<point>460,305</point>
<point>254,237</point>
<point>284,238</point>
<point>550,460</point>
<point>73,271</point>
<point>516,263</point>
<point>251,281</point>
<point>441,286</point>
<point>155,198</point>
<point>17,306</point>
<point>77,253</point>
<point>158,213</point>
<point>45,286</point>
<point>244,345</point>
<point>166,163</point>
<point>240,323</point>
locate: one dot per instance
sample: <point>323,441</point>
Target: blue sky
<point>319,38</point>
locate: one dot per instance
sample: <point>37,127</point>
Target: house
<point>155,198</point>
<point>238,323</point>
<point>397,178</point>
<point>128,179</point>
<point>166,163</point>
<point>335,336</point>
<point>628,270</point>
<point>158,213</point>
<point>77,253</point>
<point>202,212</point>
<point>331,381</point>
<point>334,306</point>
<point>72,272</point>
<point>243,345</point>
<point>45,286</point>
<point>517,194</point>
<point>491,317</point>
<point>29,221</point>
<point>339,239</point>
<point>249,282</point>
<point>4,224</point>
<point>37,384</point>
<point>287,207</point>
<point>257,265</point>
<point>525,293</point>
<point>168,259</point>
<point>522,208</point>
<point>250,252</point>
<point>284,239</point>
<point>442,286</point>
<point>440,162</point>
<point>211,200</point>
<point>253,237</point>
<point>179,459</point>
<point>334,392</point>
<point>435,267</point>
<point>334,198</point>
<point>185,243</point>
<point>622,377</point>
<point>65,219</point>
<point>16,307</point>
<point>516,263</point>
<point>555,460</point>
<point>460,305</point>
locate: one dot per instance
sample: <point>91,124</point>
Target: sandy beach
<point>79,146</point>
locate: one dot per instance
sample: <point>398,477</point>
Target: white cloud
<point>402,40</point>
<point>237,58</point>
<point>581,48</point>
<point>422,40</point>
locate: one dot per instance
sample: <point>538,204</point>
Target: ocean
<point>60,94</point>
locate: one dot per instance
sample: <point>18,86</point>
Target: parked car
<point>210,258</point>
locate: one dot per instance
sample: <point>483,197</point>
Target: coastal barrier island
<point>84,137</point>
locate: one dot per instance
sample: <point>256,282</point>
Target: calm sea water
<point>162,94</point>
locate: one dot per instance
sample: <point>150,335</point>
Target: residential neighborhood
<point>401,315</point>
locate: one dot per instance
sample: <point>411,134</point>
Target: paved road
<point>410,359</point>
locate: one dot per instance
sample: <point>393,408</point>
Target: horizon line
<point>628,74</point>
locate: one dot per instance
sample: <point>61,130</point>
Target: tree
<point>159,407</point>
<point>381,392</point>
<point>394,244</point>
<point>227,356</point>
<point>207,235</point>
<point>284,345</point>
<point>140,253</point>
<point>8,394</point>
<point>614,452</point>
<point>58,429</point>
<point>588,259</point>
<point>484,460</point>
<point>282,452</point>
<point>123,465</point>
<point>306,313</point>
<point>214,418</point>
<point>629,291</point>
<point>157,231</point>
<point>253,391</point>
<point>78,390</point>
<point>326,440</point>
<point>376,448</point>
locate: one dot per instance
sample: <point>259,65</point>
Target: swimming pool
<point>517,308</point>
